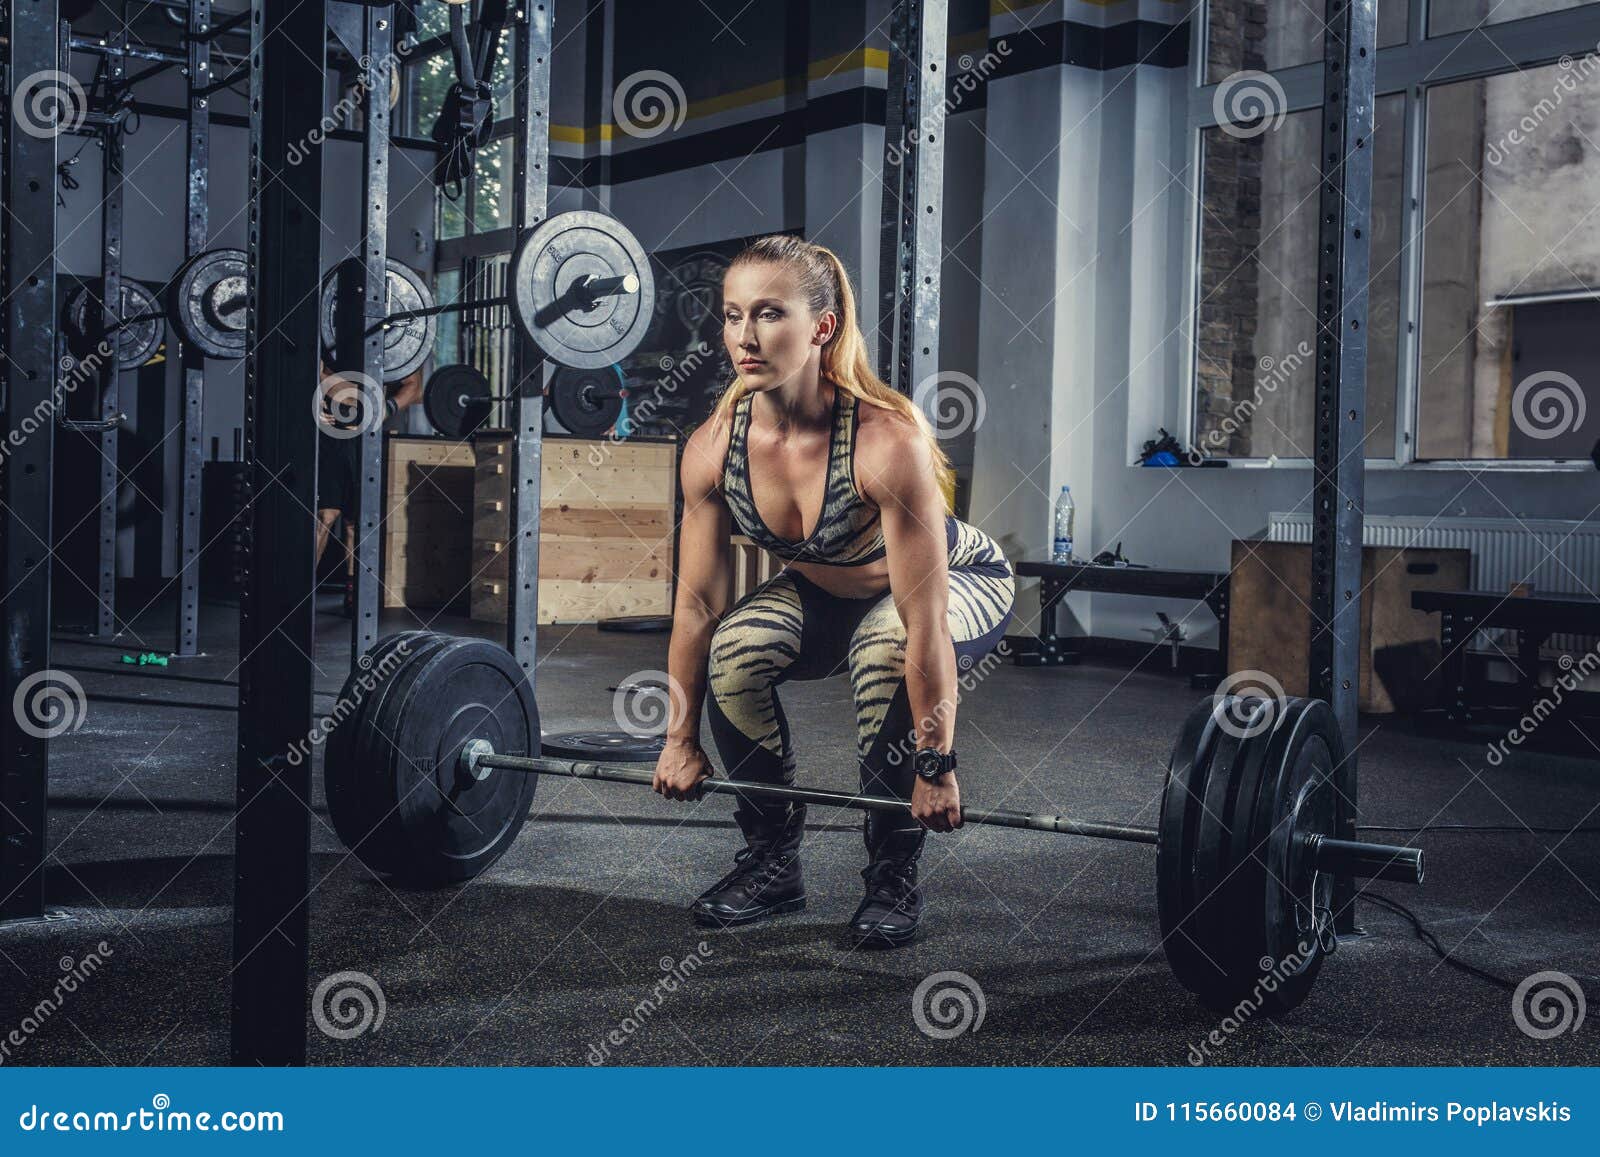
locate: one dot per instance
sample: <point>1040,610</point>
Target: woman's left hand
<point>937,803</point>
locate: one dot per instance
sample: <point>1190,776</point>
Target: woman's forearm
<point>931,685</point>
<point>686,671</point>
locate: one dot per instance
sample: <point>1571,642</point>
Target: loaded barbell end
<point>471,759</point>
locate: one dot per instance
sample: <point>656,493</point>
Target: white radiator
<point>1557,557</point>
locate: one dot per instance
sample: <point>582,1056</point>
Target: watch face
<point>929,763</point>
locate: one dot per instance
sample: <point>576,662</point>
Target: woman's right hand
<point>680,771</point>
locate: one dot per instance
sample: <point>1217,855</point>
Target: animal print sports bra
<point>849,531</point>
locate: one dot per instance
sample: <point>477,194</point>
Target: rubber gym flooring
<point>555,954</point>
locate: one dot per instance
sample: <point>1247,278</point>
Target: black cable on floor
<point>1432,942</point>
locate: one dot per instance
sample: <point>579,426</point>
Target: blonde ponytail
<point>845,360</point>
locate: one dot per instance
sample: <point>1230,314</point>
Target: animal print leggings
<point>790,628</point>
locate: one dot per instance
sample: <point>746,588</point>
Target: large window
<point>1446,16</point>
<point>1274,34</point>
<point>1258,267</point>
<point>1511,266</point>
<point>1484,292</point>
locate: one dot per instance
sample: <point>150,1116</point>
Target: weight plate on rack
<point>407,342</point>
<point>138,341</point>
<point>206,301</point>
<point>548,271</point>
<point>603,746</point>
<point>457,400</point>
<point>587,403</point>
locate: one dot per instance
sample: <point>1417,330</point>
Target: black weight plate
<point>457,400</point>
<point>1241,724</point>
<point>373,789</point>
<point>452,825</point>
<point>136,343</point>
<point>206,302</point>
<point>637,624</point>
<point>604,746</point>
<point>1297,802</point>
<point>1187,772</point>
<point>342,775</point>
<point>406,344</point>
<point>1236,912</point>
<point>587,403</point>
<point>559,254</point>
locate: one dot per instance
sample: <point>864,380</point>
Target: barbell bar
<point>1351,858</point>
<point>458,399</point>
<point>1245,848</point>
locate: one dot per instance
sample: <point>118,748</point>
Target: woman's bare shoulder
<point>704,455</point>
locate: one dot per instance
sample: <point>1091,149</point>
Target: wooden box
<point>1270,618</point>
<point>605,528</point>
<point>427,529</point>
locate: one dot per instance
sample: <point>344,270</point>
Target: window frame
<point>1410,69</point>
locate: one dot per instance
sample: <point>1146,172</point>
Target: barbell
<point>433,758</point>
<point>581,289</point>
<point>458,399</point>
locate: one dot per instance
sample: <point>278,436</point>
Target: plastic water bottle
<point>1061,548</point>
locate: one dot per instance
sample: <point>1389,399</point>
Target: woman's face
<point>767,327</point>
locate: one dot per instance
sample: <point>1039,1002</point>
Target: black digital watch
<point>930,763</point>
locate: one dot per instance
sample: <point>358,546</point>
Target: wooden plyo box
<point>427,528</point>
<point>1270,618</point>
<point>605,528</point>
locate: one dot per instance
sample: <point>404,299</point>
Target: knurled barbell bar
<point>1245,850</point>
<point>458,399</point>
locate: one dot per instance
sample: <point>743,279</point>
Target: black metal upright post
<point>1338,486</point>
<point>531,176</point>
<point>111,313</point>
<point>197,234</point>
<point>28,372</point>
<point>272,850</point>
<point>913,193</point>
<point>378,39</point>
